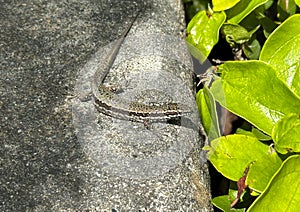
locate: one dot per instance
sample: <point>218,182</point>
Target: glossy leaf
<point>252,90</point>
<point>203,33</point>
<point>282,193</point>
<point>281,50</point>
<point>207,110</point>
<point>237,13</point>
<point>229,157</point>
<point>286,134</point>
<point>262,170</point>
<point>219,5</point>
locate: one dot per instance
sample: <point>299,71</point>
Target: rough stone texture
<point>55,154</point>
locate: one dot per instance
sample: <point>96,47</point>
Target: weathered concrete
<point>56,152</point>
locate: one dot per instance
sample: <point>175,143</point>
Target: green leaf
<point>282,193</point>
<point>255,132</point>
<point>252,90</point>
<point>251,21</point>
<point>229,157</point>
<point>242,9</point>
<point>285,8</point>
<point>235,34</point>
<point>194,6</point>
<point>223,203</point>
<point>203,33</point>
<point>297,2</point>
<point>260,135</point>
<point>241,131</point>
<point>219,5</point>
<point>268,4</point>
<point>207,110</point>
<point>262,170</point>
<point>268,24</point>
<point>281,50</point>
<point>286,134</point>
<point>252,49</point>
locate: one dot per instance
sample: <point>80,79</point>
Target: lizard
<point>109,103</point>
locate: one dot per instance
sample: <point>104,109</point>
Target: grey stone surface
<point>57,153</point>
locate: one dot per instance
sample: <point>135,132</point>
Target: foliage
<point>261,86</point>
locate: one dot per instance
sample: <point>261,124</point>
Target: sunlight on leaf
<point>286,134</point>
<point>262,170</point>
<point>244,88</point>
<point>203,33</point>
<point>281,51</point>
<point>229,157</point>
<point>282,193</point>
<point>219,5</point>
<point>237,13</point>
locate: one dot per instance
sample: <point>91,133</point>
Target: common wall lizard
<point>109,103</point>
